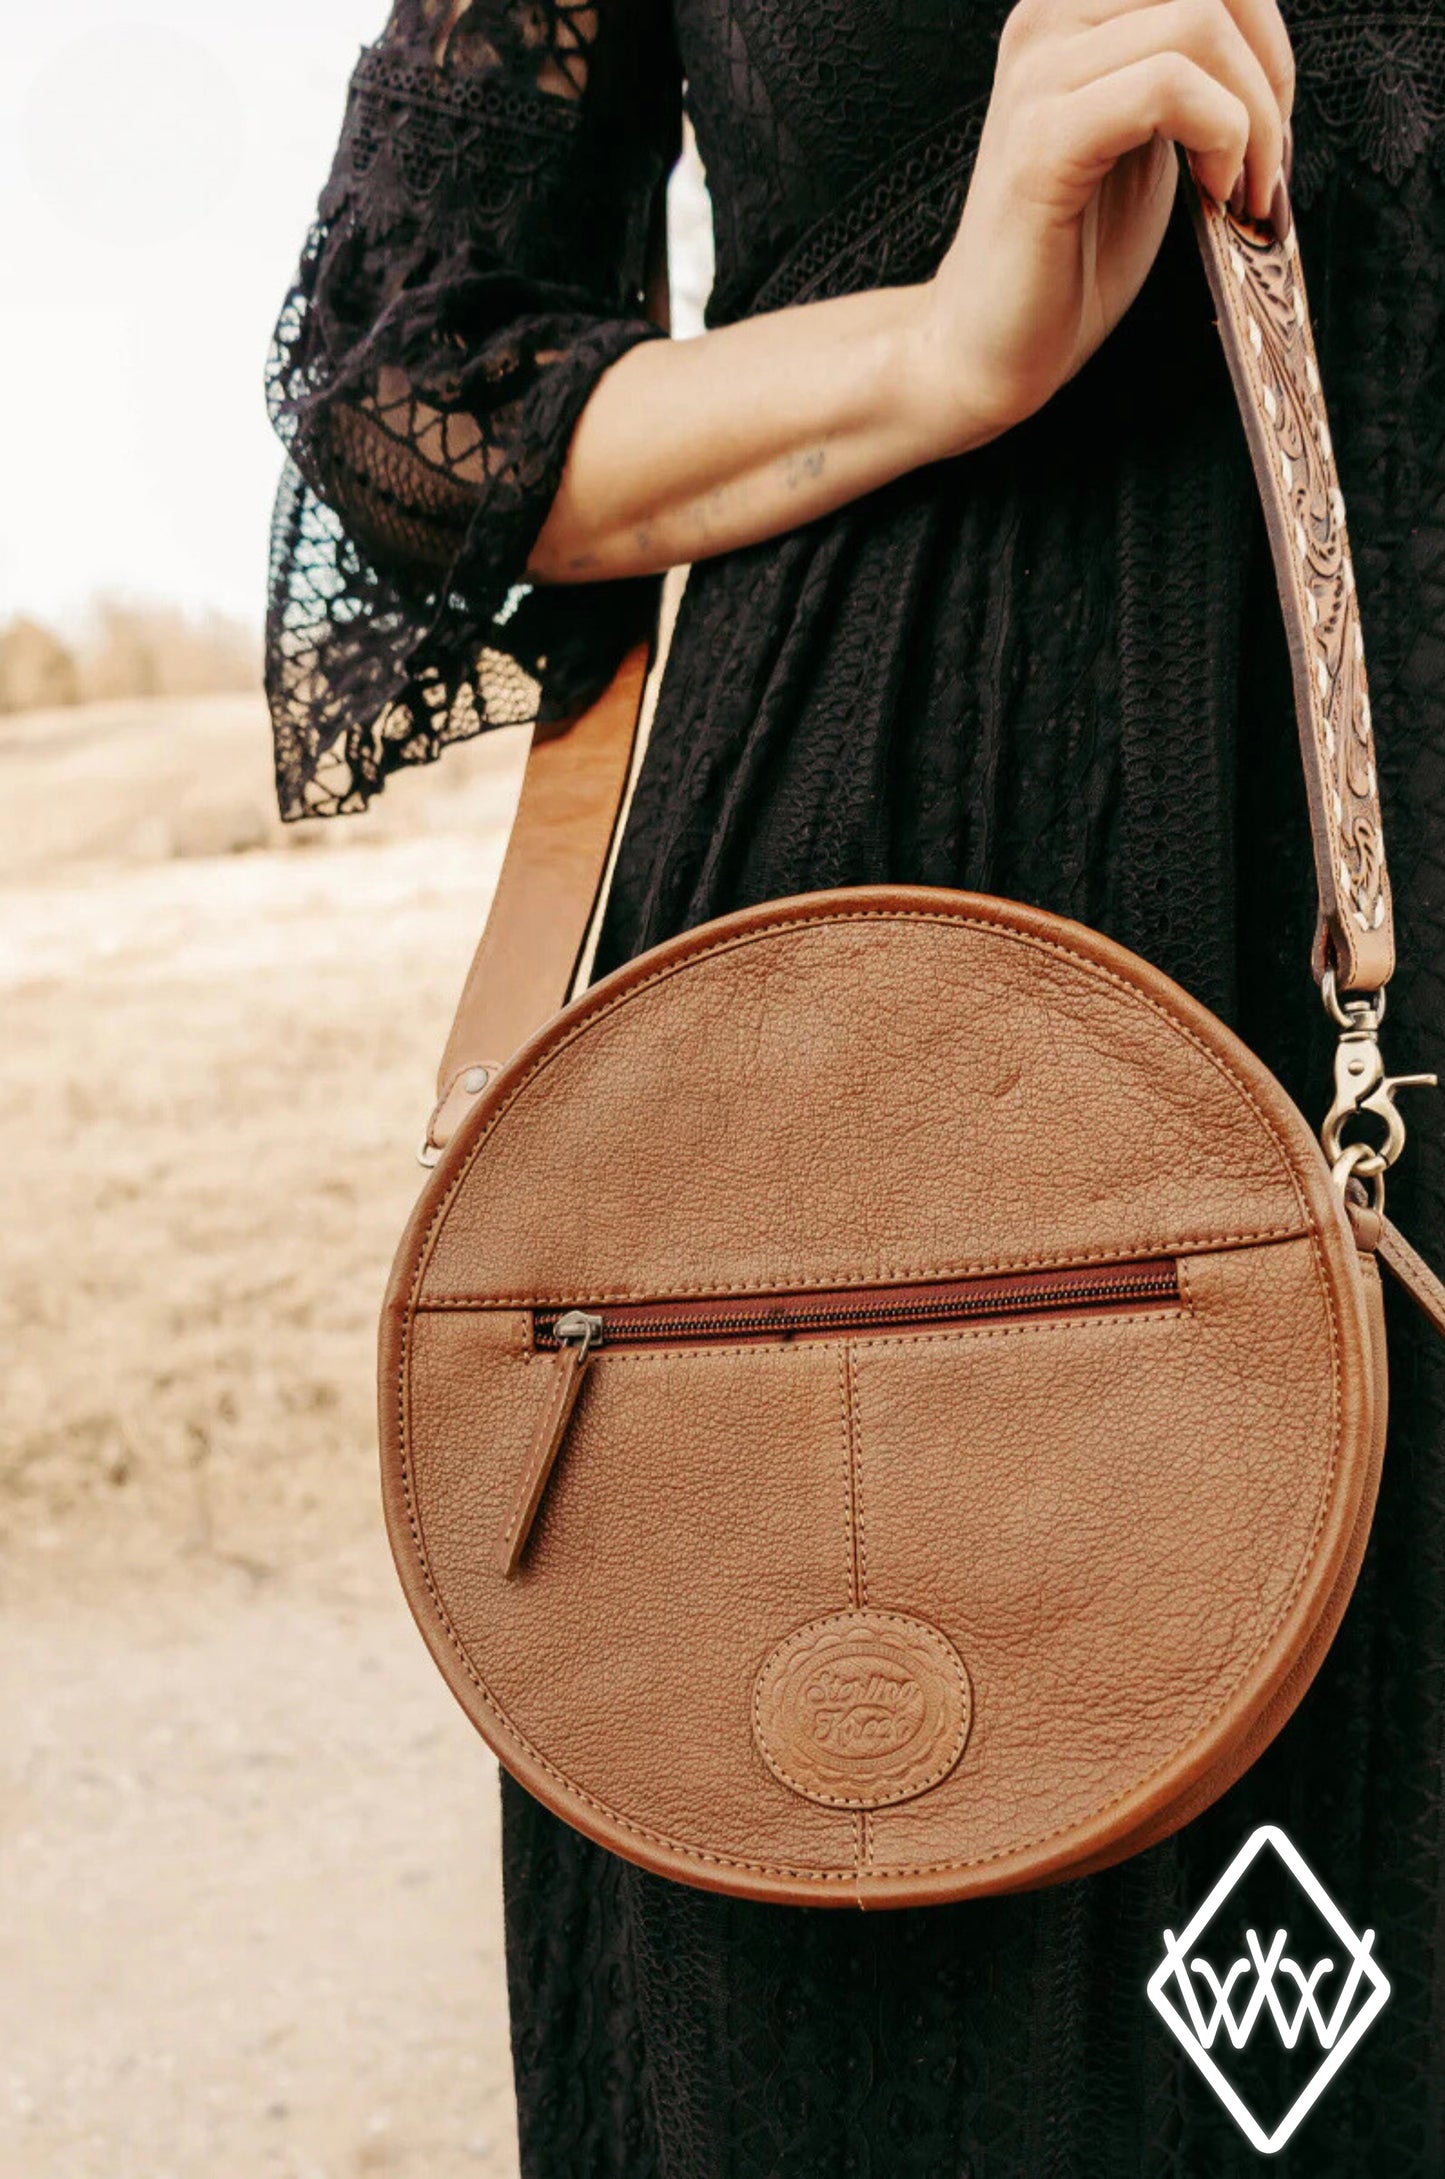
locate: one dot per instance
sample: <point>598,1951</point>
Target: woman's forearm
<point>691,448</point>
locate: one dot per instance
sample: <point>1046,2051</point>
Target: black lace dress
<point>1001,672</point>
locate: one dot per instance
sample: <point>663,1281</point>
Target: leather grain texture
<point>862,1709</point>
<point>1128,1525</point>
<point>855,1028</point>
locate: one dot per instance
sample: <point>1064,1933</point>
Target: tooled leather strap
<point>576,780</point>
<point>1264,322</point>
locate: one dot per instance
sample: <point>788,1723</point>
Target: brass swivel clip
<point>1362,1085</point>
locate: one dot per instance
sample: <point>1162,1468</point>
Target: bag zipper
<point>576,1334</point>
<point>855,1309</point>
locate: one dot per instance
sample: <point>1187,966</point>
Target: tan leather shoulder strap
<point>523,969</point>
<point>576,780</point>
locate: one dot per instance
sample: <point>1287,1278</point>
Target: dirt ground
<point>247,1843</point>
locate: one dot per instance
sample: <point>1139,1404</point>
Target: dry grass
<point>221,1037</point>
<point>248,1835</point>
<point>125,648</point>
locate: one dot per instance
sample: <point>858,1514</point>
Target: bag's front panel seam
<point>860,1526</point>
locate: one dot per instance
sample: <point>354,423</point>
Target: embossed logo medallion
<point>862,1708</point>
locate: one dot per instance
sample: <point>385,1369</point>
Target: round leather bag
<point>881,1403</point>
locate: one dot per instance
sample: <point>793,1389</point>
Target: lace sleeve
<point>478,260</point>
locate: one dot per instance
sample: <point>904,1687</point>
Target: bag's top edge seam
<point>784,1282</point>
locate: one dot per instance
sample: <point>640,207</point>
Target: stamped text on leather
<point>862,1709</point>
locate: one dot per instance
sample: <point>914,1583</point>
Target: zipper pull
<point>576,1334</point>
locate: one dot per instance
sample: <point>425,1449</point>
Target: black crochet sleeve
<point>478,260</point>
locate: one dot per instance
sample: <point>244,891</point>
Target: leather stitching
<point>781,1350</point>
<point>849,1544</point>
<point>706,1858</point>
<point>884,1275</point>
<point>541,1438</point>
<point>1416,1276</point>
<point>1114,1319</point>
<point>860,1526</point>
<point>599,1010</point>
<point>1406,1272</point>
<point>910,1623</point>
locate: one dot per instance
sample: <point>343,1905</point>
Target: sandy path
<point>252,1923</point>
<point>247,1845</point>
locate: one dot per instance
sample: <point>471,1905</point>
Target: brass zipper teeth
<point>619,1331</point>
<point>575,1334</point>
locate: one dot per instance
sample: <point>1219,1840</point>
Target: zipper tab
<point>578,1327</point>
<point>576,1334</point>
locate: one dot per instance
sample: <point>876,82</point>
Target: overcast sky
<point>157,172</point>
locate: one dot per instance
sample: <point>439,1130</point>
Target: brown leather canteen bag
<point>883,1396</point>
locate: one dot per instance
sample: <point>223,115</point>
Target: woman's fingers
<point>1263,25</point>
<point>1259,21</point>
<point>1208,34</point>
<point>1050,48</point>
<point>1166,94</point>
<point>1072,186</point>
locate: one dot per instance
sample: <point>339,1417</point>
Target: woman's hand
<point>1073,185</point>
<point>690,448</point>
